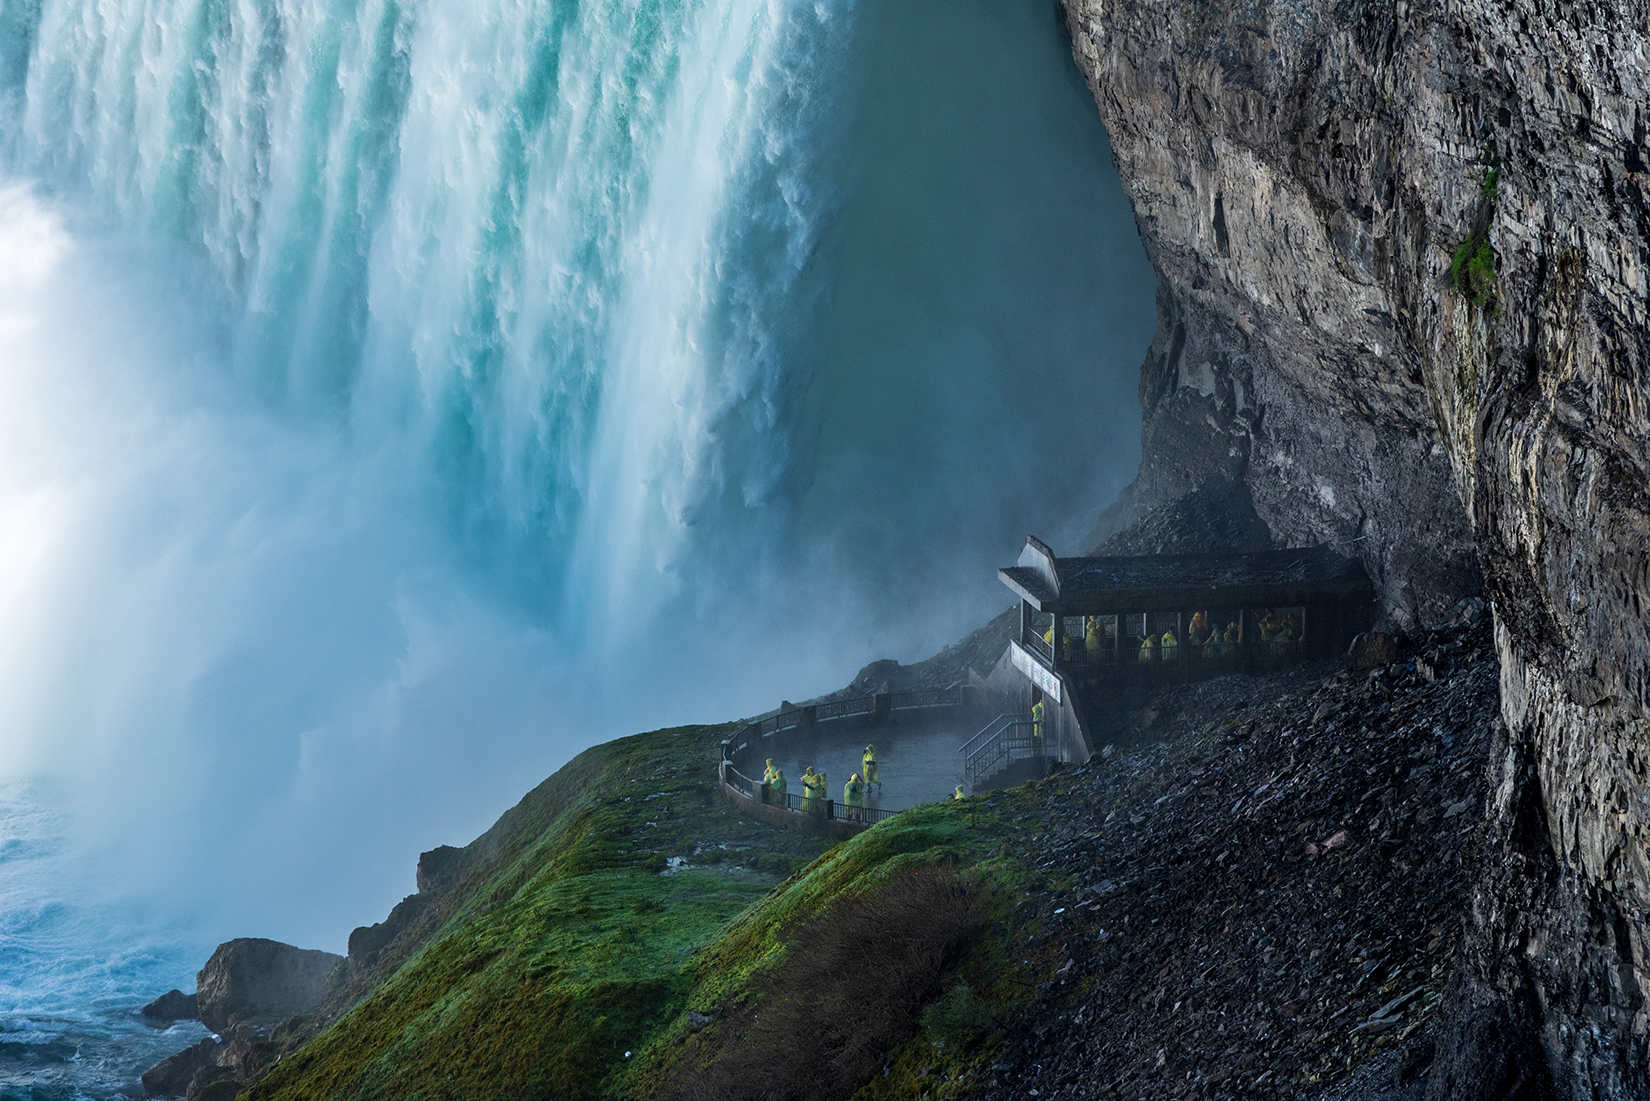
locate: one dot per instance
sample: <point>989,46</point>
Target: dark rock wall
<point>1304,174</point>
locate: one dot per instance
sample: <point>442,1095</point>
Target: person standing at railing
<point>808,783</point>
<point>1094,639</point>
<point>1168,644</point>
<point>768,774</point>
<point>1148,648</point>
<point>868,763</point>
<point>776,787</point>
<point>1198,632</point>
<point>853,797</point>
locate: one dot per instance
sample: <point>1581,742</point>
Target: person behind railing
<point>1198,631</point>
<point>1148,648</point>
<point>776,787</point>
<point>809,780</point>
<point>853,797</point>
<point>822,792</point>
<point>768,773</point>
<point>1291,628</point>
<point>1068,646</point>
<point>1229,641</point>
<point>1094,639</point>
<point>1169,642</point>
<point>868,762</point>
<point>1271,631</point>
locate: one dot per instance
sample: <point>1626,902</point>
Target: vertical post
<point>1180,636</point>
<point>1058,637</point>
<point>1025,620</point>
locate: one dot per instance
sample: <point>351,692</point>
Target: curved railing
<point>820,718</point>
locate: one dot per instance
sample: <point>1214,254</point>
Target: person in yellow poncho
<point>853,798</point>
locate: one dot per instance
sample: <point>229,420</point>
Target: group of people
<point>1098,635</point>
<point>1275,630</point>
<point>815,786</point>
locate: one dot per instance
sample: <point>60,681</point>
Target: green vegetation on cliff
<point>635,939</point>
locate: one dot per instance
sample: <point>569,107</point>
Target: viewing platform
<point>1098,636</point>
<point>1165,619</point>
<point>916,734</point>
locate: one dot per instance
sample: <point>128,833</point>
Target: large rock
<point>171,1076</point>
<point>252,979</point>
<point>1403,250</point>
<point>174,1005</point>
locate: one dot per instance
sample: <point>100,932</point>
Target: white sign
<point>1035,671</point>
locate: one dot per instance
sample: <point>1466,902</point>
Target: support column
<point>1025,621</point>
<point>1058,638</point>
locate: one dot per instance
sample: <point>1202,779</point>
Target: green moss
<point>567,971</point>
<point>1472,267</point>
<point>567,956</point>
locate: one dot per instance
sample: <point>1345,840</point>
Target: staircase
<point>1005,739</point>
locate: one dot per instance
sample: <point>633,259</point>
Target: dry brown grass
<point>855,980</point>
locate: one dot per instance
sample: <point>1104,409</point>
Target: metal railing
<point>1130,654</point>
<point>1034,641</point>
<point>829,810</point>
<point>841,709</point>
<point>751,734</point>
<point>926,697</point>
<point>1005,739</point>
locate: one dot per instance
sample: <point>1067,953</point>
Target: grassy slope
<point>568,954</point>
<point>578,950</point>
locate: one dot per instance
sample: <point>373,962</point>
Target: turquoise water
<point>397,397</point>
<point>74,970</point>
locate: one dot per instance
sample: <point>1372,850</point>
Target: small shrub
<point>957,1019</point>
<point>847,995</point>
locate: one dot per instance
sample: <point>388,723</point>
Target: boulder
<point>1372,650</point>
<point>174,1005</point>
<point>171,1076</point>
<point>226,1089</point>
<point>206,1079</point>
<point>252,979</point>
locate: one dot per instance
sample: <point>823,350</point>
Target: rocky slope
<point>1402,260</point>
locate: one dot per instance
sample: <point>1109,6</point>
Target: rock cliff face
<point>1402,259</point>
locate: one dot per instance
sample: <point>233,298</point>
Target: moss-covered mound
<point>564,949</point>
<point>629,934</point>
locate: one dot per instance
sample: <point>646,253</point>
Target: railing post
<point>882,704</point>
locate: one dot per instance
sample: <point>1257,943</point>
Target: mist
<point>352,482</point>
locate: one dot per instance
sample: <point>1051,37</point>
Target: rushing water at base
<point>73,972</point>
<point>397,396</point>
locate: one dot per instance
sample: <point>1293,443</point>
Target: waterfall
<point>403,395</point>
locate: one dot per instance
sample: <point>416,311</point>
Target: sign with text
<point>1035,671</point>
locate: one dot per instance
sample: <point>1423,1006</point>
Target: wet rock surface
<point>1267,901</point>
<point>1402,260</point>
<point>174,1005</point>
<point>253,979</point>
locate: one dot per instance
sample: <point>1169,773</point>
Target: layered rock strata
<point>1402,250</point>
